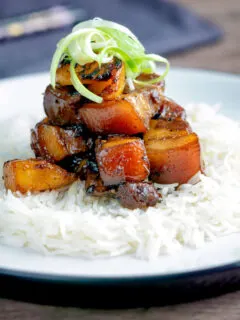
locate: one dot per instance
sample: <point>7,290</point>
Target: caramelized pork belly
<point>55,143</point>
<point>108,81</point>
<point>130,114</point>
<point>35,175</point>
<point>61,105</point>
<point>122,159</point>
<point>173,151</point>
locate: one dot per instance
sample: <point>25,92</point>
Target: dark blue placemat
<point>163,27</point>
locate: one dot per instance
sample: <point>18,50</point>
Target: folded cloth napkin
<point>164,27</point>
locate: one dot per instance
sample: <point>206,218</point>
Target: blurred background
<point>191,33</point>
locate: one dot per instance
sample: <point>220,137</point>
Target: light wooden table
<point>223,56</point>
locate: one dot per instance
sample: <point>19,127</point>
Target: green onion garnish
<point>101,40</point>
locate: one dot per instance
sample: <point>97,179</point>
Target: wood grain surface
<point>226,307</point>
<point>222,56</point>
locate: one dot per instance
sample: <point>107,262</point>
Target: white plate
<point>184,86</point>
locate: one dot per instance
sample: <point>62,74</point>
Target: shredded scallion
<point>101,40</point>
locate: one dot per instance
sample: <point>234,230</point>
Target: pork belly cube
<point>122,159</point>
<point>174,159</point>
<point>108,81</point>
<point>130,114</point>
<point>55,143</point>
<point>173,151</point>
<point>61,105</point>
<point>34,175</point>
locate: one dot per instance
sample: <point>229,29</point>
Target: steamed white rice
<point>72,223</point>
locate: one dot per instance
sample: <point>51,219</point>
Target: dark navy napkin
<point>164,27</point>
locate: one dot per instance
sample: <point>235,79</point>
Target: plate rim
<point>128,279</point>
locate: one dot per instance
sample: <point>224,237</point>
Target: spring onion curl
<point>101,40</point>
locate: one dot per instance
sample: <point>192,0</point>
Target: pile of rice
<point>72,223</point>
